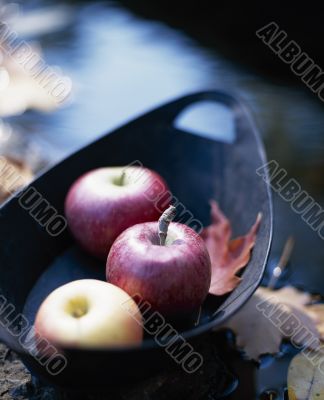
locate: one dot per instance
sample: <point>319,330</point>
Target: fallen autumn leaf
<point>16,174</point>
<point>257,334</point>
<point>227,256</point>
<point>305,378</point>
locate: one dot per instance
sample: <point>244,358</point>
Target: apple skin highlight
<point>89,313</point>
<point>174,279</point>
<point>104,202</point>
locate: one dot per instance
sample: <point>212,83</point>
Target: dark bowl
<point>35,259</point>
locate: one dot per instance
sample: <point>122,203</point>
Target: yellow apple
<point>89,313</point>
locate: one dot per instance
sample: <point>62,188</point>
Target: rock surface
<point>207,384</point>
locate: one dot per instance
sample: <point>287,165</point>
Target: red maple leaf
<point>228,256</point>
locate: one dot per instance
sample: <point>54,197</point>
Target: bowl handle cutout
<point>210,114</point>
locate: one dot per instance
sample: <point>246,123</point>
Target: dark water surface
<point>122,65</point>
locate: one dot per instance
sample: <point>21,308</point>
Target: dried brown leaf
<point>260,332</point>
<point>306,377</point>
<point>14,175</point>
<point>21,90</point>
<point>227,256</point>
<point>317,311</point>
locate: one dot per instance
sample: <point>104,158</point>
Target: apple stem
<point>121,179</point>
<point>164,222</point>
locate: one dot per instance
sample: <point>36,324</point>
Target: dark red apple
<point>104,202</point>
<point>174,278</point>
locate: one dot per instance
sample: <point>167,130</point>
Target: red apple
<point>104,202</point>
<point>89,314</point>
<point>174,278</point>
